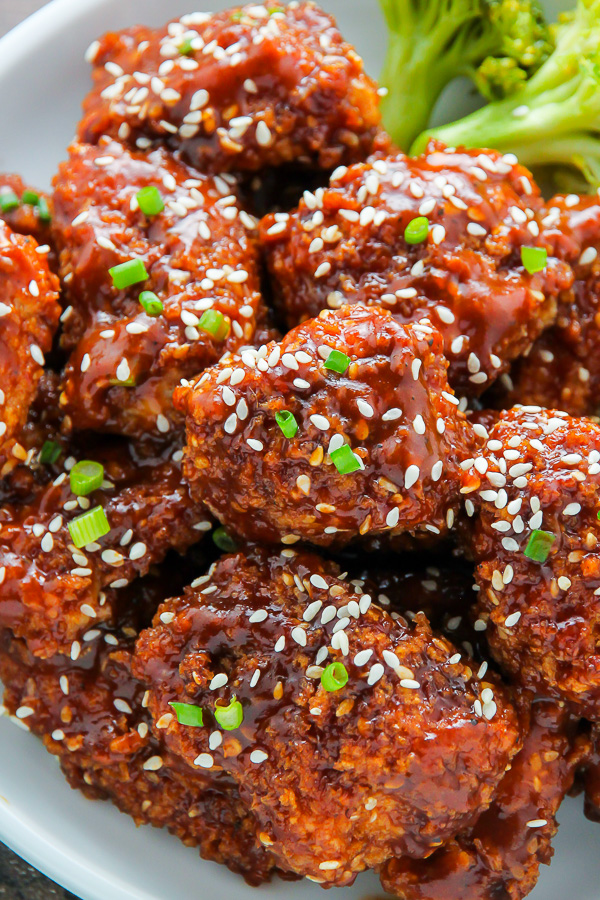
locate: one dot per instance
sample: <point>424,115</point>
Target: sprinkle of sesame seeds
<point>258,756</point>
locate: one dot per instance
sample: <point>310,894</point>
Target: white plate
<point>91,848</point>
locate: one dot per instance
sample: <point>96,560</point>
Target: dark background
<point>18,881</point>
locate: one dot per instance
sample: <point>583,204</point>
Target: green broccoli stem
<point>430,44</point>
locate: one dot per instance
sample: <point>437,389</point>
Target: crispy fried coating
<point>563,369</point>
<point>199,256</point>
<point>501,855</point>
<point>395,761</point>
<point>346,244</point>
<point>390,412</point>
<point>256,86</point>
<point>90,713</point>
<point>540,472</point>
<point>29,313</point>
<point>52,594</point>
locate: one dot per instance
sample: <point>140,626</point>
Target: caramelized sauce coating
<point>29,314</point>
<point>346,244</point>
<point>54,595</point>
<point>391,408</point>
<point>540,471</point>
<point>396,761</point>
<point>27,218</point>
<point>256,86</point>
<point>500,856</point>
<point>91,714</point>
<point>199,254</point>
<point>563,369</point>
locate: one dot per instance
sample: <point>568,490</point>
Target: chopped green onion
<point>50,452</point>
<point>30,197</point>
<point>230,717</point>
<point>125,274</point>
<point>153,305</point>
<point>90,526</point>
<point>286,421</point>
<point>345,460</point>
<point>185,48</point>
<point>150,201</point>
<point>337,361</point>
<point>534,259</point>
<point>236,17</point>
<point>276,9</point>
<point>334,677</point>
<point>215,323</point>
<point>9,201</point>
<point>86,476</point>
<point>538,545</point>
<point>416,231</point>
<point>223,540</point>
<point>188,714</point>
<point>44,210</point>
<point>129,382</point>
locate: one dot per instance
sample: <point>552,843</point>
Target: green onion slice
<point>150,201</point>
<point>44,210</point>
<point>188,714</point>
<point>286,421</point>
<point>416,231</point>
<point>538,545</point>
<point>223,540</point>
<point>230,717</point>
<point>337,361</point>
<point>153,305</point>
<point>534,259</point>
<point>214,323</point>
<point>50,452</point>
<point>345,460</point>
<point>90,526</point>
<point>334,677</point>
<point>185,48</point>
<point>125,274</point>
<point>30,197</point>
<point>86,476</point>
<point>9,201</point>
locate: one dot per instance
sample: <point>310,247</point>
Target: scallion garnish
<point>50,452</point>
<point>185,48</point>
<point>416,231</point>
<point>188,714</point>
<point>9,201</point>
<point>223,540</point>
<point>286,421</point>
<point>125,274</point>
<point>30,197</point>
<point>345,460</point>
<point>337,361</point>
<point>538,545</point>
<point>214,323</point>
<point>86,476</point>
<point>150,201</point>
<point>90,526</point>
<point>230,717</point>
<point>534,259</point>
<point>153,305</point>
<point>44,210</point>
<point>334,677</point>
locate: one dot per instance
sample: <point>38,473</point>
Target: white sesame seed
<point>512,619</point>
<point>258,756</point>
<point>205,761</point>
<point>218,681</point>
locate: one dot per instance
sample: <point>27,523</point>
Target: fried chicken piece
<point>374,447</point>
<point>29,314</point>
<point>501,855</point>
<point>52,594</point>
<point>201,262</point>
<point>28,217</point>
<point>347,244</point>
<point>395,761</point>
<point>535,493</point>
<point>91,715</point>
<point>247,88</point>
<point>563,369</point>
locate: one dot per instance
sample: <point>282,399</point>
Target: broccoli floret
<point>554,119</point>
<point>497,43</point>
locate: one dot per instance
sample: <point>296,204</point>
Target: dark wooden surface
<point>18,881</point>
